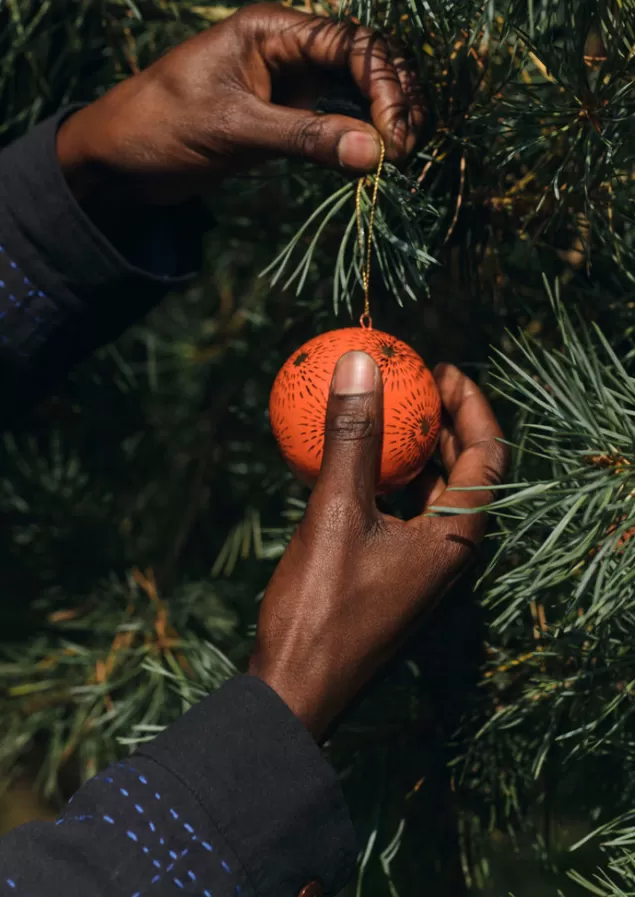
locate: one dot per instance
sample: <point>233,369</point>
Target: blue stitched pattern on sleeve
<point>26,313</point>
<point>158,841</point>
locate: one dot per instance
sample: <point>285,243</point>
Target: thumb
<point>334,141</point>
<point>353,432</point>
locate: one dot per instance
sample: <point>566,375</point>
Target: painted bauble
<point>412,407</point>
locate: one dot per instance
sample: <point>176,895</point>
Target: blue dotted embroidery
<point>183,878</point>
<point>33,304</point>
<point>84,818</point>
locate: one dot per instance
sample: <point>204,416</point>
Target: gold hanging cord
<point>366,252</point>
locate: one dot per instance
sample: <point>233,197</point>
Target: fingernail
<point>358,150</point>
<point>355,374</point>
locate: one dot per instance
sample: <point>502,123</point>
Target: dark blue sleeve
<point>65,288</point>
<point>233,799</point>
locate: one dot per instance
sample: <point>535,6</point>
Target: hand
<point>353,581</point>
<point>236,95</point>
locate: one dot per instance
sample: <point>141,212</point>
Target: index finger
<point>381,75</point>
<point>482,458</point>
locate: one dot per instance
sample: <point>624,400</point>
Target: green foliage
<point>559,697</point>
<point>117,670</point>
<point>530,138</point>
<point>512,226</point>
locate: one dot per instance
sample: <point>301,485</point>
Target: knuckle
<point>460,539</point>
<point>343,32</point>
<point>469,534</point>
<point>255,15</point>
<point>452,553</point>
<point>364,35</point>
<point>258,22</point>
<point>369,44</point>
<point>497,459</point>
<point>350,427</point>
<point>307,136</point>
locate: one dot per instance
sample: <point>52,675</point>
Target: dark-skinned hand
<point>235,95</point>
<point>354,581</point>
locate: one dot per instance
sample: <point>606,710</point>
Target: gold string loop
<point>366,252</point>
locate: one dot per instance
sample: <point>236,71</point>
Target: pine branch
<point>560,672</point>
<point>501,88</point>
<point>123,664</point>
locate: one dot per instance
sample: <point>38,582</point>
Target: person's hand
<point>236,95</point>
<point>353,581</point>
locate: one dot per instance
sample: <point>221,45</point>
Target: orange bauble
<point>412,407</point>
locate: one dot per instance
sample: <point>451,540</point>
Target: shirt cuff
<point>248,759</point>
<point>50,236</point>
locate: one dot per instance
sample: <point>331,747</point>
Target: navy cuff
<point>51,237</point>
<point>262,779</point>
<point>65,288</point>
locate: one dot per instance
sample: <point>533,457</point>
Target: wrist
<point>303,700</point>
<point>83,173</point>
<point>105,196</point>
<point>84,153</point>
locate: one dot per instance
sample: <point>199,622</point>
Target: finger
<point>483,458</point>
<point>335,141</point>
<point>295,38</point>
<point>353,432</point>
<point>411,86</point>
<point>449,444</point>
<point>470,414</point>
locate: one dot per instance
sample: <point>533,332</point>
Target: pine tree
<point>145,506</point>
